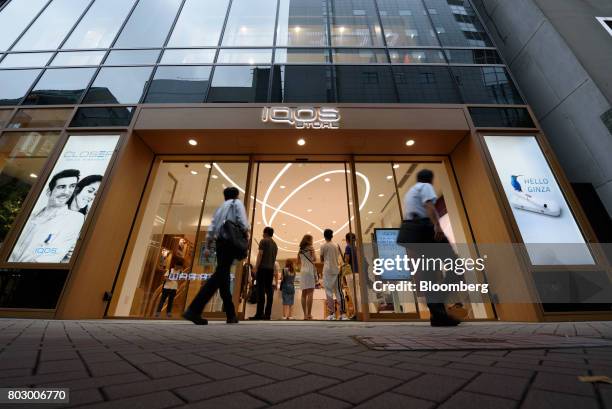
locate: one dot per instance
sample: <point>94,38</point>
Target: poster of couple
<point>54,225</point>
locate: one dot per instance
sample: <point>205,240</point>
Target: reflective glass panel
<point>299,83</point>
<point>179,84</point>
<point>473,57</point>
<point>250,23</point>
<point>457,24</point>
<point>25,60</point>
<point>60,86</point>
<point>40,118</point>
<point>188,57</point>
<point>359,56</point>
<point>239,84</point>
<point>406,23</point>
<point>128,57</point>
<point>77,58</point>
<point>199,24</point>
<point>15,17</point>
<point>365,84</point>
<point>354,23</point>
<point>245,56</point>
<point>51,27</point>
<point>302,23</point>
<point>403,56</point>
<point>118,85</point>
<point>486,85</point>
<point>149,24</point>
<point>106,116</point>
<point>15,84</point>
<point>22,158</point>
<point>301,55</point>
<point>100,25</point>
<point>422,84</point>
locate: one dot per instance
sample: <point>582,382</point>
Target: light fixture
<point>208,166</point>
<point>284,224</point>
<point>341,29</point>
<point>350,203</point>
<point>215,177</point>
<point>370,212</point>
<point>327,180</point>
<point>193,172</point>
<point>301,142</point>
<point>251,61</point>
<point>381,195</point>
<point>396,166</point>
<point>410,142</point>
<point>282,186</point>
<point>389,177</point>
<point>309,210</point>
<point>33,175</point>
<point>297,29</point>
<point>333,222</point>
<point>193,142</point>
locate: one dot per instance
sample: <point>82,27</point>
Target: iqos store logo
<point>303,118</point>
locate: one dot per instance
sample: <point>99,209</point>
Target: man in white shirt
<point>51,233</point>
<point>330,254</point>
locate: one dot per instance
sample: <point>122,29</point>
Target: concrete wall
<point>568,97</point>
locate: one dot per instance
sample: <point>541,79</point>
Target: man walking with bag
<point>228,229</point>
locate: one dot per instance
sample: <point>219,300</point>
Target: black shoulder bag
<point>234,234</point>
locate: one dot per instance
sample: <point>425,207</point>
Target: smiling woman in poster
<point>52,232</point>
<point>84,194</point>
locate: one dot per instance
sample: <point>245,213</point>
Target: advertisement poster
<point>52,230</point>
<point>387,248</point>
<point>539,207</point>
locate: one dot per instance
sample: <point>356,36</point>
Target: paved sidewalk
<point>154,364</point>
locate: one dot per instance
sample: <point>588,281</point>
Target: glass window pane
<point>406,23</point>
<point>245,56</point>
<point>301,55</point>
<point>4,116</point>
<point>188,57</point>
<point>179,84</point>
<point>40,118</point>
<point>78,58</point>
<point>118,85</point>
<point>199,24</point>
<point>359,56</point>
<point>149,24</point>
<point>51,27</point>
<point>15,17</point>
<point>60,86</point>
<point>426,85</point>
<point>23,156</point>
<point>310,83</point>
<point>457,24</point>
<point>239,84</point>
<point>250,23</point>
<point>107,116</point>
<point>417,57</point>
<point>354,23</point>
<point>15,84</point>
<point>365,84</point>
<point>25,60</point>
<point>100,25</point>
<point>302,23</point>
<point>486,85</point>
<point>501,117</point>
<point>127,57</point>
<point>473,57</point>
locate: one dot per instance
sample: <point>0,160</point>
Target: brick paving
<point>172,364</point>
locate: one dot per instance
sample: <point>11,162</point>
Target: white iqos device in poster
<point>547,225</point>
<point>54,226</point>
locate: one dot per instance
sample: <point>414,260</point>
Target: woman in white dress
<point>308,274</point>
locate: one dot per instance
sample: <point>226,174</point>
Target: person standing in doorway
<point>287,287</point>
<point>308,274</point>
<point>422,235</point>
<point>232,210</point>
<point>330,256</point>
<point>264,272</point>
<point>169,289</point>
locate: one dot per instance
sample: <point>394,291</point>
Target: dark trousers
<point>169,294</point>
<point>265,292</point>
<point>220,280</point>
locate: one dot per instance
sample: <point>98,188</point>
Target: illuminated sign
<point>303,118</point>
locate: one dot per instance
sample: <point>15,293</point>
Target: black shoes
<point>444,321</point>
<point>232,320</point>
<point>196,319</point>
<point>256,318</point>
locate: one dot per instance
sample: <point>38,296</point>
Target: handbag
<point>234,234</point>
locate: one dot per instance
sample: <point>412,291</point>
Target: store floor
<point>168,364</point>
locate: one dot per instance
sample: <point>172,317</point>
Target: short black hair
<point>350,237</point>
<point>67,173</point>
<point>230,193</point>
<point>328,234</point>
<point>425,176</point>
<point>269,231</point>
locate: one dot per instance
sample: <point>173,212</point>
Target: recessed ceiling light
<point>208,166</point>
<point>193,142</point>
<point>215,177</point>
<point>33,175</point>
<point>308,232</point>
<point>282,186</point>
<point>410,142</point>
<point>284,224</point>
<point>327,180</point>
<point>370,212</point>
<point>201,200</point>
<point>193,172</point>
<point>389,177</point>
<point>350,203</point>
<point>381,195</point>
<point>396,166</point>
<point>309,210</point>
<point>333,222</point>
<point>301,142</point>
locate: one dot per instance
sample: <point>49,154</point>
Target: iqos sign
<point>303,118</point>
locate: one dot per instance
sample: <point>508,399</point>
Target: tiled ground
<point>138,364</point>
